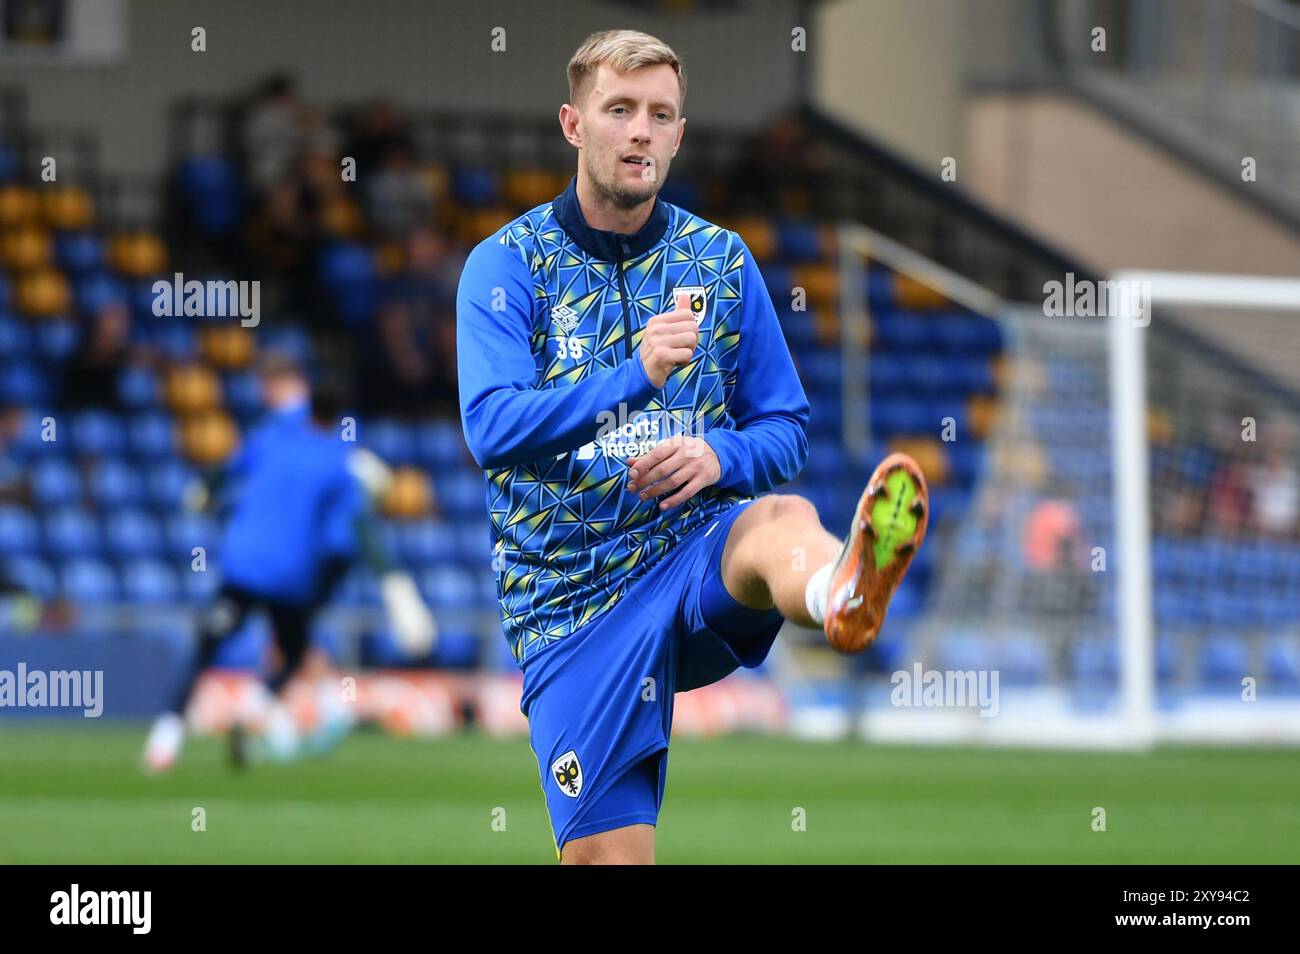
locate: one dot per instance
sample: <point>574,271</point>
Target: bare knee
<point>632,845</point>
<point>785,507</point>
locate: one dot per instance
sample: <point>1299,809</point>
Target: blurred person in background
<point>394,196</point>
<point>1275,490</point>
<point>410,363</point>
<point>90,378</point>
<point>299,516</point>
<point>271,133</point>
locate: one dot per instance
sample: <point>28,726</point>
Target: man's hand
<point>682,463</point>
<point>669,342</point>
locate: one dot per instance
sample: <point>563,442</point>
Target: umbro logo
<point>565,318</point>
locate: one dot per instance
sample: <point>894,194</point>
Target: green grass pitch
<point>74,795</point>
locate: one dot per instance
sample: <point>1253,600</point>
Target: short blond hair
<point>622,50</point>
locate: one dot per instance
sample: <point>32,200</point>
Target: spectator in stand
<point>90,378</point>
<point>1275,490</point>
<point>409,366</point>
<point>395,197</point>
<point>271,135</point>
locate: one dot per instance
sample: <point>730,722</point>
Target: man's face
<point>629,126</point>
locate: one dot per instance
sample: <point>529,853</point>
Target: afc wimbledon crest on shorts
<point>568,773</point>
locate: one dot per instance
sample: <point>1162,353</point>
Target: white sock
<point>818,591</point>
<point>166,737</point>
<point>281,734</point>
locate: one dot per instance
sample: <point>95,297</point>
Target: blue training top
<point>554,399</point>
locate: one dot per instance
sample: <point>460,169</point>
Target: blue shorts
<point>600,702</point>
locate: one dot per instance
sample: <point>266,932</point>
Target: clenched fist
<point>669,342</point>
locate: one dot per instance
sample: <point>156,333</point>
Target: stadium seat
<point>149,581</point>
<point>151,435</point>
<point>19,531</point>
<point>132,533</point>
<point>29,572</point>
<point>448,588</point>
<point>88,580</point>
<point>72,532</point>
<point>97,433</point>
<point>115,483</point>
<point>137,387</point>
<point>55,482</point>
<point>17,343</point>
<point>79,253</point>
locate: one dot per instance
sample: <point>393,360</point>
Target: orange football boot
<point>888,526</point>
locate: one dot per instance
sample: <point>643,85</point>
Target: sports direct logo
<point>102,907</point>
<point>633,439</point>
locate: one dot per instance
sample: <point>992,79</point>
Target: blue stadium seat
<point>474,187</point>
<point>426,542</point>
<point>209,187</point>
<point>79,252</point>
<point>447,587</point>
<point>439,443</point>
<point>474,542</point>
<point>1282,661</point>
<point>462,493</point>
<point>98,433</point>
<point>199,588</point>
<point>137,387</point>
<point>681,192</point>
<point>151,435</point>
<point>72,531</point>
<point>31,573</point>
<point>95,290</point>
<point>1223,661</point>
<point>243,392</point>
<point>19,531</point>
<point>150,581</point>
<point>88,580</point>
<point>798,242</point>
<point>457,649</point>
<point>347,271</point>
<point>115,483</point>
<point>21,383</point>
<point>132,533</point>
<point>288,339</point>
<point>392,440</point>
<point>185,531</point>
<point>167,483</point>
<point>55,482</point>
<point>17,343</point>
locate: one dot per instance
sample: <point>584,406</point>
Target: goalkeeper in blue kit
<point>625,386</point>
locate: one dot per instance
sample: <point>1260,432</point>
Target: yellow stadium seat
<point>192,389</point>
<point>982,411</point>
<point>1160,427</point>
<point>342,218</point>
<point>44,292</point>
<point>26,247</point>
<point>525,188</point>
<point>409,495</point>
<point>139,254</point>
<point>827,321</point>
<point>228,346</point>
<point>390,257</point>
<point>759,235</point>
<point>68,207</point>
<point>435,179</point>
<point>930,455</point>
<point>209,438</point>
<point>18,205</point>
<point>821,283</point>
<point>916,296</point>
